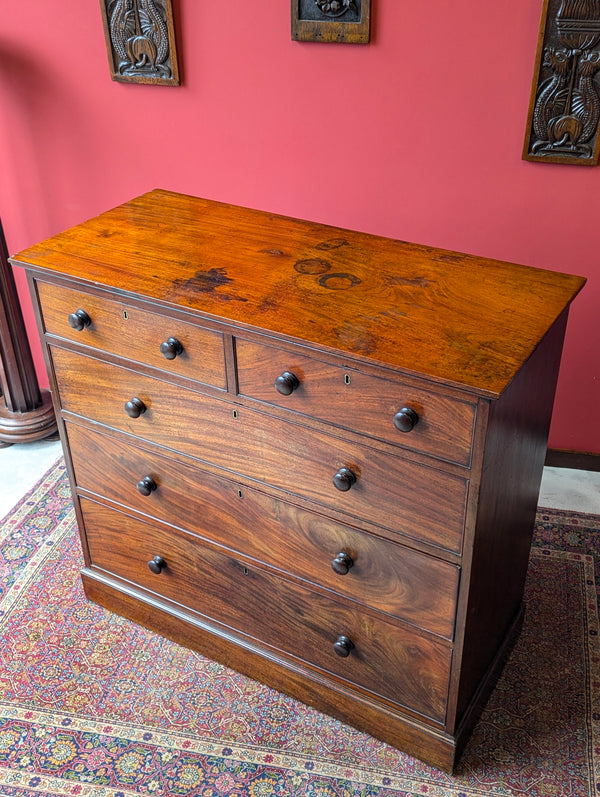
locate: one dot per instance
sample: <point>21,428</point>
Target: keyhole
<point>125,315</point>
<point>346,379</point>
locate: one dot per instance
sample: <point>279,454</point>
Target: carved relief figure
<point>567,108</point>
<point>139,37</point>
<point>336,8</point>
<point>331,20</point>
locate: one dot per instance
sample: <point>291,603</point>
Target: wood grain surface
<point>405,497</point>
<point>465,320</point>
<point>387,659</point>
<point>419,589</point>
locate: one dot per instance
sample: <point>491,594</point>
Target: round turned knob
<point>342,646</point>
<point>406,420</point>
<point>286,383</point>
<point>342,563</point>
<point>79,320</point>
<point>157,565</point>
<point>135,407</point>
<point>171,348</point>
<point>344,479</point>
<point>146,485</point>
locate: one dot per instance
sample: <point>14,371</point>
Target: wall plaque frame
<point>564,108</point>
<point>140,41</point>
<point>331,21</point>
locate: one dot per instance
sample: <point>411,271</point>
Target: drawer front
<point>135,334</point>
<point>404,497</point>
<point>419,589</point>
<point>356,401</point>
<point>386,659</point>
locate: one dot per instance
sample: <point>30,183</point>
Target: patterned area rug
<point>91,704</point>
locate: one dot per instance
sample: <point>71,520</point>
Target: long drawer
<point>346,397</point>
<point>375,654</point>
<point>128,331</point>
<point>405,497</point>
<point>419,589</point>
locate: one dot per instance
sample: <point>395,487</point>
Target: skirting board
<point>578,460</point>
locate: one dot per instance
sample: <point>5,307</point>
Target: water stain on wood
<point>339,282</point>
<point>313,265</point>
<point>205,282</point>
<point>333,243</point>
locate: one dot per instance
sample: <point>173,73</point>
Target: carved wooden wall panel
<point>140,41</point>
<point>331,20</point>
<point>564,110</point>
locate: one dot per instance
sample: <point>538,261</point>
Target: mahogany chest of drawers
<point>311,454</point>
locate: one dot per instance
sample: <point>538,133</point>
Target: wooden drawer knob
<point>146,485</point>
<point>79,320</point>
<point>342,563</point>
<point>344,479</point>
<point>342,646</point>
<point>286,383</point>
<point>171,348</point>
<point>135,407</point>
<point>406,419</point>
<point>157,565</point>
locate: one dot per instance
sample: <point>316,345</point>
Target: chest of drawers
<point>311,454</point>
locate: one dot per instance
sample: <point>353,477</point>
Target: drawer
<point>405,497</point>
<point>356,401</point>
<point>419,589</point>
<point>135,334</point>
<point>385,659</point>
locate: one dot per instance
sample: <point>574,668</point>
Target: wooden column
<point>26,413</point>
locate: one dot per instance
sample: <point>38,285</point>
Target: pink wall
<point>416,136</point>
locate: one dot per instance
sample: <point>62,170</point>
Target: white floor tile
<point>567,488</point>
<point>21,466</point>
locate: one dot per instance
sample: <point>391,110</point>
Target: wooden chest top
<point>457,319</point>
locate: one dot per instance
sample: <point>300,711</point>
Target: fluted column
<point>26,413</point>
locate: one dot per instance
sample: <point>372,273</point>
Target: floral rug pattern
<point>91,704</point>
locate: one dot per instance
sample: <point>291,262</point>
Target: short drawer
<point>136,334</point>
<point>381,657</point>
<point>405,497</point>
<point>443,425</point>
<point>419,589</point>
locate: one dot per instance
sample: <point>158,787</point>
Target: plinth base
<point>25,427</point>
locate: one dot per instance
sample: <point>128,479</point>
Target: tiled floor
<point>564,488</point>
<point>22,465</point>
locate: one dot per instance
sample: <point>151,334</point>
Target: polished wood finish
<point>135,333</point>
<point>337,497</point>
<point>346,397</point>
<point>394,579</point>
<point>454,318</point>
<point>405,497</point>
<point>392,661</point>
